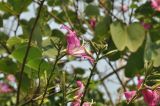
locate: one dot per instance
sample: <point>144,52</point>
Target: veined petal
<point>72,39</point>
<point>151,97</point>
<point>129,95</point>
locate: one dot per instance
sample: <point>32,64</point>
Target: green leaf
<point>57,2</point>
<point>143,8</point>
<point>119,35</point>
<point>8,66</point>
<point>26,82</point>
<point>14,41</point>
<point>89,1</point>
<point>37,34</point>
<point>131,36</point>
<point>91,10</point>
<point>135,64</point>
<point>19,53</point>
<point>102,29</point>
<point>135,38</point>
<point>50,53</point>
<point>57,33</point>
<point>152,52</point>
<point>148,49</point>
<point>3,37</point>
<point>79,71</point>
<point>38,63</point>
<point>19,5</point>
<point>7,8</point>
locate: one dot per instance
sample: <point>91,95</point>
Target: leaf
<point>19,53</point>
<point>79,71</point>
<point>134,64</point>
<point>143,8</point>
<point>155,34</point>
<point>119,35</point>
<point>7,8</point>
<point>50,53</point>
<point>57,33</point>
<point>38,63</point>
<point>19,5</point>
<point>152,51</point>
<point>148,49</point>
<point>131,36</point>
<point>14,41</point>
<point>156,55</point>
<point>92,10</point>
<point>8,66</point>
<point>88,1</point>
<point>3,37</point>
<point>37,34</point>
<point>26,82</point>
<point>102,29</point>
<point>57,2</point>
<point>135,38</point>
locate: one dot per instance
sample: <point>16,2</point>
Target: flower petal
<point>129,95</point>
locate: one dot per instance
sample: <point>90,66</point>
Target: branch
<point>122,4</point>
<point>124,88</point>
<point>105,88</point>
<point>89,79</point>
<point>110,74</point>
<point>26,54</point>
<point>6,48</point>
<point>88,82</point>
<point>51,74</point>
<point>108,11</point>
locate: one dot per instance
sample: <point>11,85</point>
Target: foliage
<point>37,57</point>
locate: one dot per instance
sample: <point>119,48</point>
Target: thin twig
<point>122,6</point>
<point>89,79</point>
<point>110,74</point>
<point>130,18</point>
<point>124,88</point>
<point>107,11</point>
<point>6,48</point>
<point>26,54</point>
<point>66,14</point>
<point>106,89</point>
<point>50,76</point>
<point>17,25</point>
<point>31,100</point>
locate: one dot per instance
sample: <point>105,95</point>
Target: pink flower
<point>129,95</point>
<point>79,92</point>
<point>73,45</point>
<point>151,97</point>
<point>78,95</point>
<point>146,26</point>
<point>75,103</point>
<point>92,22</point>
<point>155,4</point>
<point>5,88</point>
<point>11,78</point>
<point>80,84</point>
<point>86,104</point>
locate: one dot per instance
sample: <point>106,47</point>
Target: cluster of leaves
<point>132,43</point>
